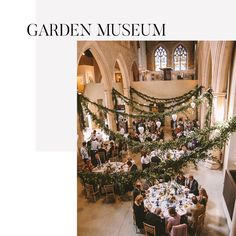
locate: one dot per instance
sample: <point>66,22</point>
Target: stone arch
<point>101,61</point>
<point>124,71</point>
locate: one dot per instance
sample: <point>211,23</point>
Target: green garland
<point>201,135</point>
<point>197,101</point>
<point>131,102</point>
<point>191,93</point>
<point>165,168</point>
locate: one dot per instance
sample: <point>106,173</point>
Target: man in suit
<point>156,219</point>
<point>192,185</point>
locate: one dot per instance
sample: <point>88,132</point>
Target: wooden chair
<point>200,224</point>
<point>90,193</point>
<point>110,192</point>
<point>179,230</point>
<point>149,229</point>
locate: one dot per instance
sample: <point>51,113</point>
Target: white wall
<point>165,89</point>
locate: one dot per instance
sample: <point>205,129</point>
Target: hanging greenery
<point>166,169</point>
<point>131,102</point>
<point>145,97</point>
<point>200,135</point>
<point>147,115</point>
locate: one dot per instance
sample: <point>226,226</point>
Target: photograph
<point>156,138</point>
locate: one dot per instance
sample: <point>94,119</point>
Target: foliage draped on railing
<point>196,92</point>
<point>197,101</point>
<point>132,102</point>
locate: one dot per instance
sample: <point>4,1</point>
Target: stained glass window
<point>160,58</point>
<point>180,58</point>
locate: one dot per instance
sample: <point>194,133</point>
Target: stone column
<point>142,57</point>
<point>219,107</point>
<point>109,104</point>
<point>80,139</point>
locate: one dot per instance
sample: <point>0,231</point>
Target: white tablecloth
<point>160,196</point>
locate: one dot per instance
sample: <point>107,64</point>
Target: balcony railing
<point>159,75</point>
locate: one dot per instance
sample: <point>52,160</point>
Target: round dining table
<point>166,195</point>
<point>111,167</point>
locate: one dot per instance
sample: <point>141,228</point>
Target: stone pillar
<point>219,107</point>
<point>142,57</point>
<point>109,104</point>
<point>127,107</point>
<point>80,139</point>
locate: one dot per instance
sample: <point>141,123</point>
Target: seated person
<point>89,166</point>
<point>192,185</point>
<point>180,179</point>
<point>155,159</point>
<point>194,212</point>
<point>173,220</point>
<point>203,197</point>
<point>156,219</point>
<point>132,166</point>
<point>139,211</point>
<point>111,150</point>
<point>137,190</point>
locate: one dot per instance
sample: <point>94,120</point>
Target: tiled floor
<point>102,219</point>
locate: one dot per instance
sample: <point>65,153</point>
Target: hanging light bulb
<point>140,129</point>
<point>158,123</point>
<point>174,117</point>
<point>183,104</point>
<point>193,105</point>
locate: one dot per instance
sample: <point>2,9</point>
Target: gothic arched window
<point>180,58</point>
<point>160,58</point>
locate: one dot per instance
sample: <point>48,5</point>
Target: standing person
<point>145,160</point>
<point>84,152</point>
<point>94,148</point>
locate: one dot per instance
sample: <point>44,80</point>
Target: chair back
<point>179,230</point>
<point>149,229</point>
<point>196,213</point>
<point>200,222</point>
<point>89,188</point>
<point>109,188</point>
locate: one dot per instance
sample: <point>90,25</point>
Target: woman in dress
<point>173,220</point>
<point>203,197</point>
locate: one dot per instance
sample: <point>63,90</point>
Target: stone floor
<point>106,219</point>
